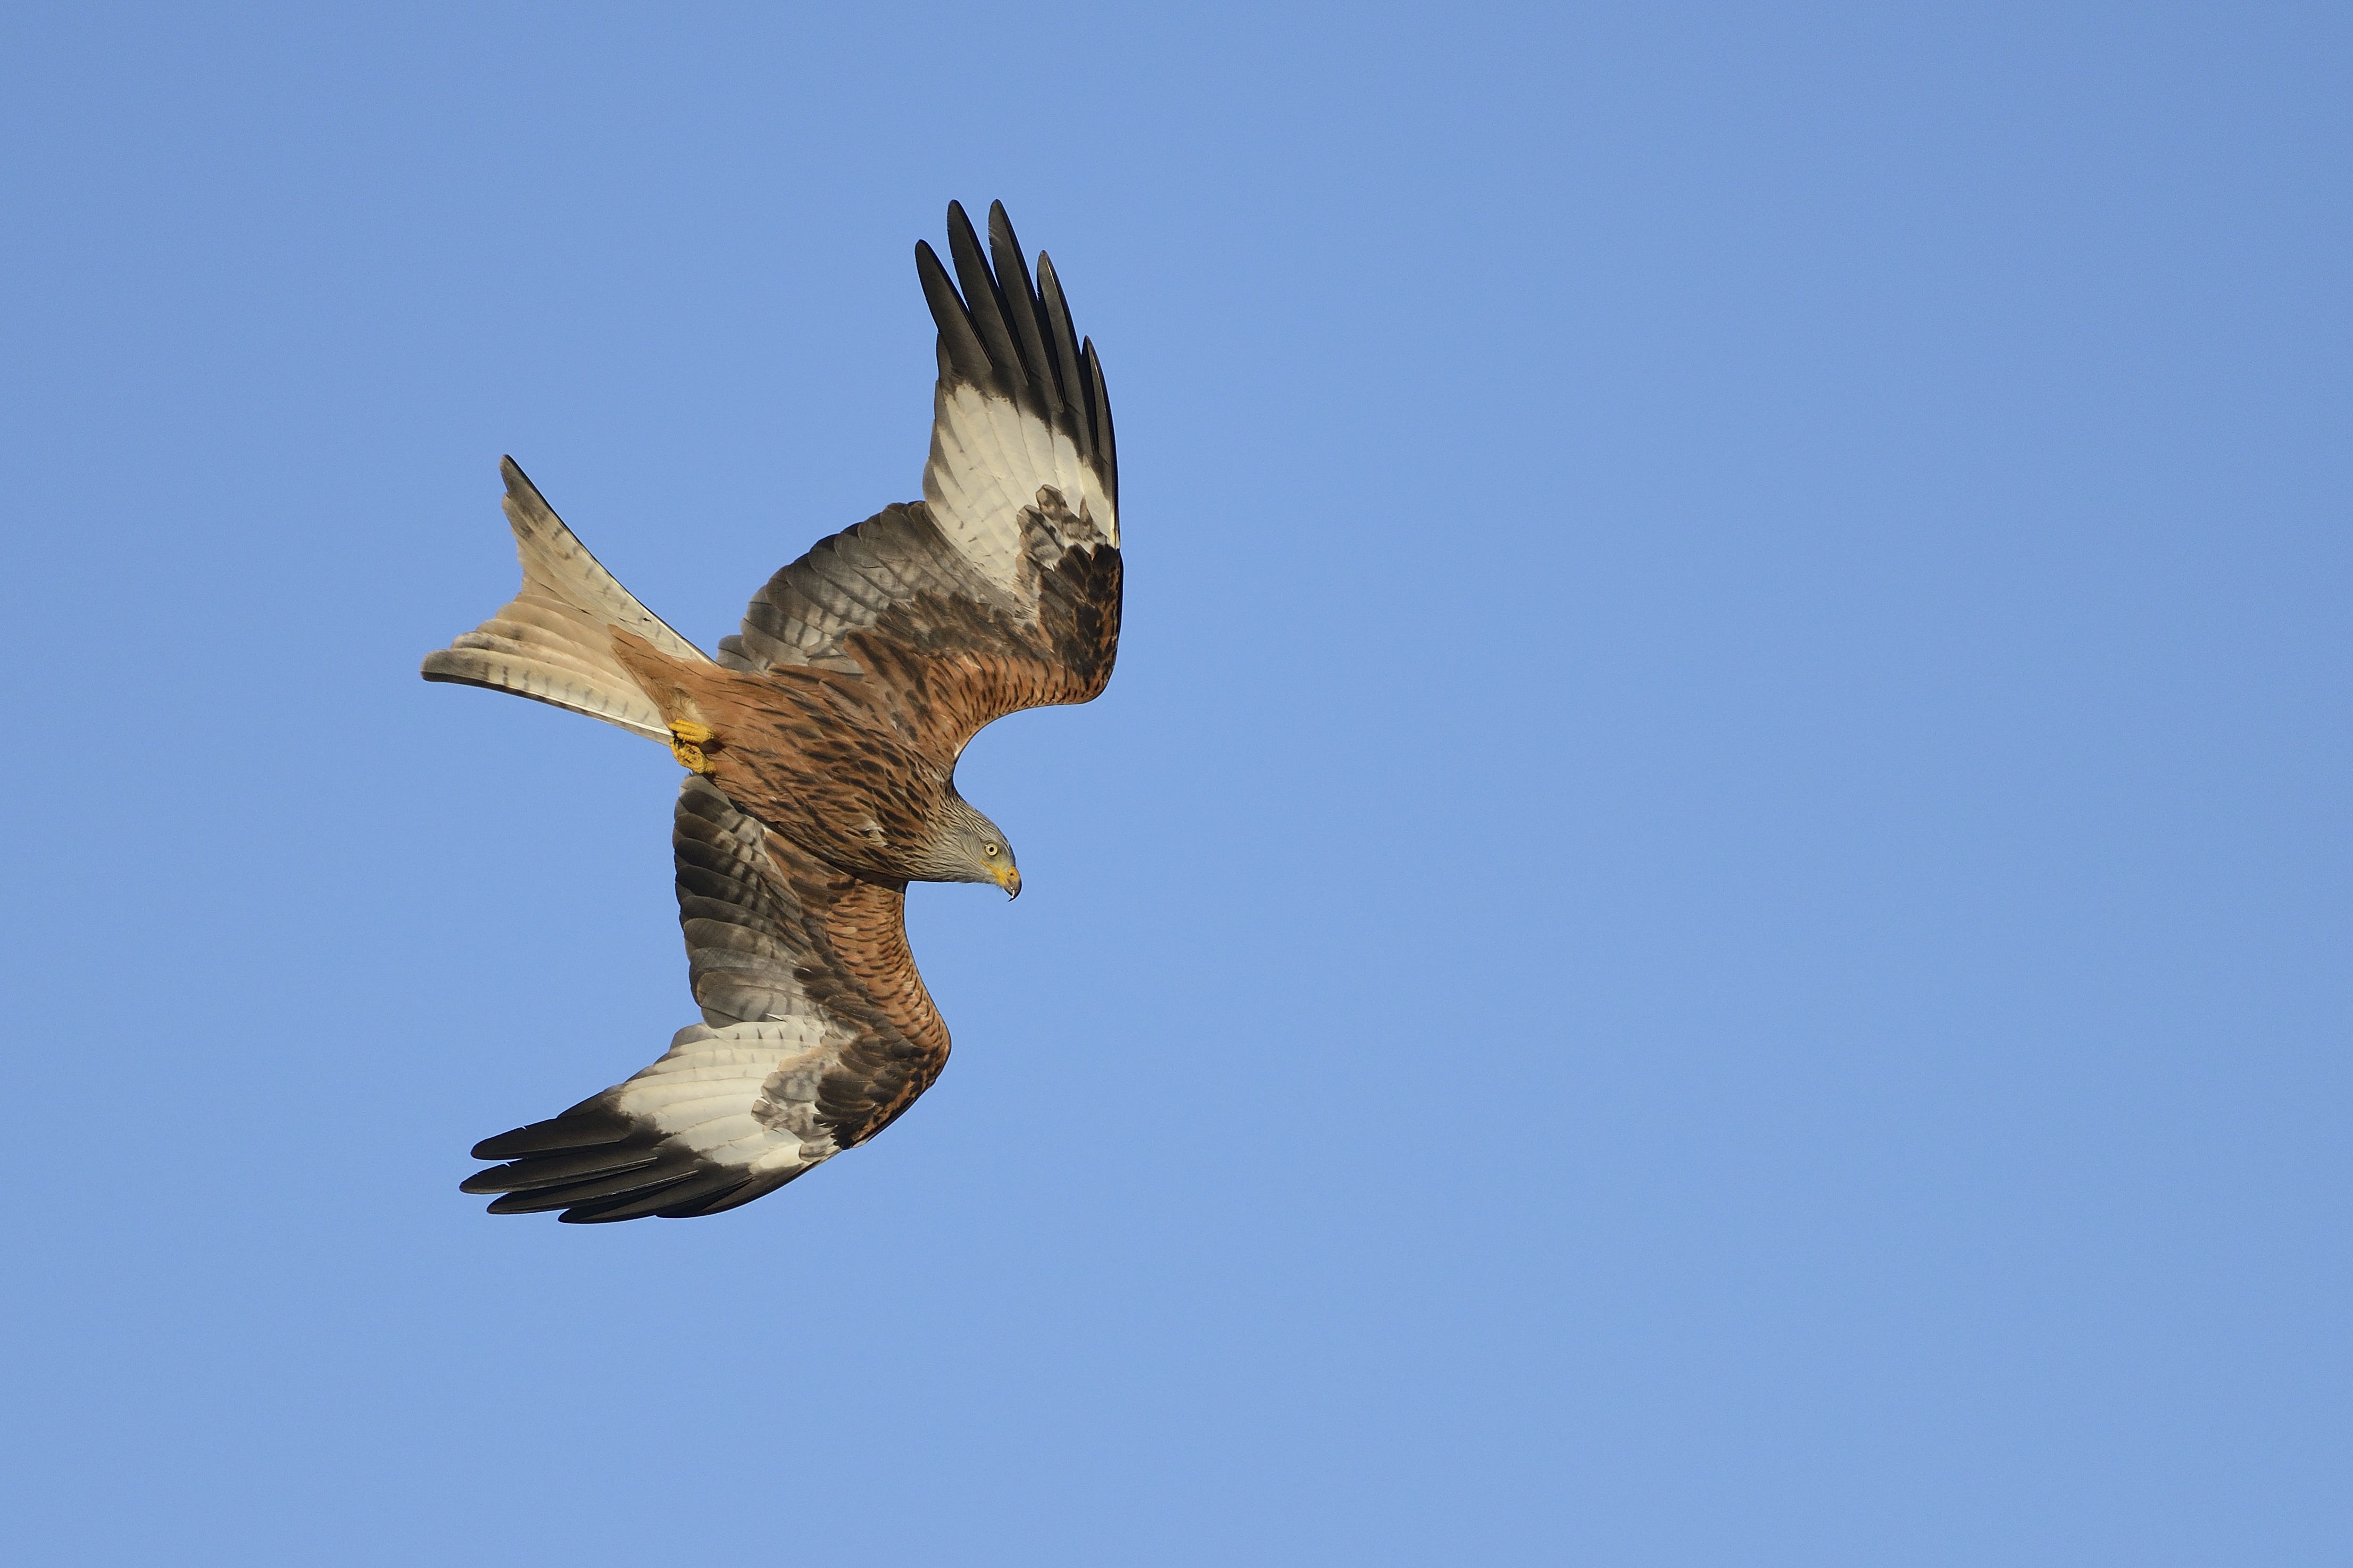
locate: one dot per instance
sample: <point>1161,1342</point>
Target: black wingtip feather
<point>1069,369</point>
<point>1100,397</point>
<point>983,301</point>
<point>683,1195</point>
<point>960,346</point>
<point>557,1170</point>
<point>579,1128</point>
<point>1001,331</point>
<point>1020,297</point>
<point>630,1183</point>
<point>735,1198</point>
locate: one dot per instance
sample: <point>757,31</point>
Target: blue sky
<point>1706,924</point>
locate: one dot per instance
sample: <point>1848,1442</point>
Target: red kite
<point>821,746</point>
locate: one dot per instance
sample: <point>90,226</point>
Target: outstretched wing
<point>817,1034</point>
<point>1000,589</point>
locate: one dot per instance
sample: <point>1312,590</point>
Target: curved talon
<point>687,740</point>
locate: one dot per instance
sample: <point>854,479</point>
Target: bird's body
<point>822,742</point>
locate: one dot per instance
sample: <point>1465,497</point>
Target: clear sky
<point>1706,924</point>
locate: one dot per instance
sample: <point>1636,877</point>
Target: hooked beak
<point>1010,879</point>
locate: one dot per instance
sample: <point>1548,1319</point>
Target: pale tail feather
<point>553,642</point>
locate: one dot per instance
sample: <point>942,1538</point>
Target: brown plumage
<point>822,744</point>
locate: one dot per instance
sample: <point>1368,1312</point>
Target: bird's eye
<point>989,850</point>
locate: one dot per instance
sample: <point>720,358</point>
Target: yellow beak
<point>1010,879</point>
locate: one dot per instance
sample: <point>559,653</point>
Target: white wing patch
<point>745,1095</point>
<point>988,461</point>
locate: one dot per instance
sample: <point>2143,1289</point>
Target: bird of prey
<point>821,746</point>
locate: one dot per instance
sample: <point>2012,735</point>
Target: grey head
<point>969,847</point>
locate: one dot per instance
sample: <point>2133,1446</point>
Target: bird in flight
<point>820,746</point>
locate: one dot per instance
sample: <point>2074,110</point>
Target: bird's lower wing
<point>817,1034</point>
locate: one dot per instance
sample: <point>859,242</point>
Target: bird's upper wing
<point>1000,589</point>
<point>817,1034</point>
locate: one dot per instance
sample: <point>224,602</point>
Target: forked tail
<point>554,641</point>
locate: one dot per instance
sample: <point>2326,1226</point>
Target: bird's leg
<point>687,740</point>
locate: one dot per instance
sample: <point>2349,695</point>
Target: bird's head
<point>975,849</point>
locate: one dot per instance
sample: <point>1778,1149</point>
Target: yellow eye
<point>989,850</point>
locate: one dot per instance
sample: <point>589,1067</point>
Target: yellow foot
<point>687,740</point>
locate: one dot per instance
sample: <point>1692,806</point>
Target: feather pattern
<point>1020,425</point>
<point>824,740</point>
<point>818,1032</point>
<point>553,641</point>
